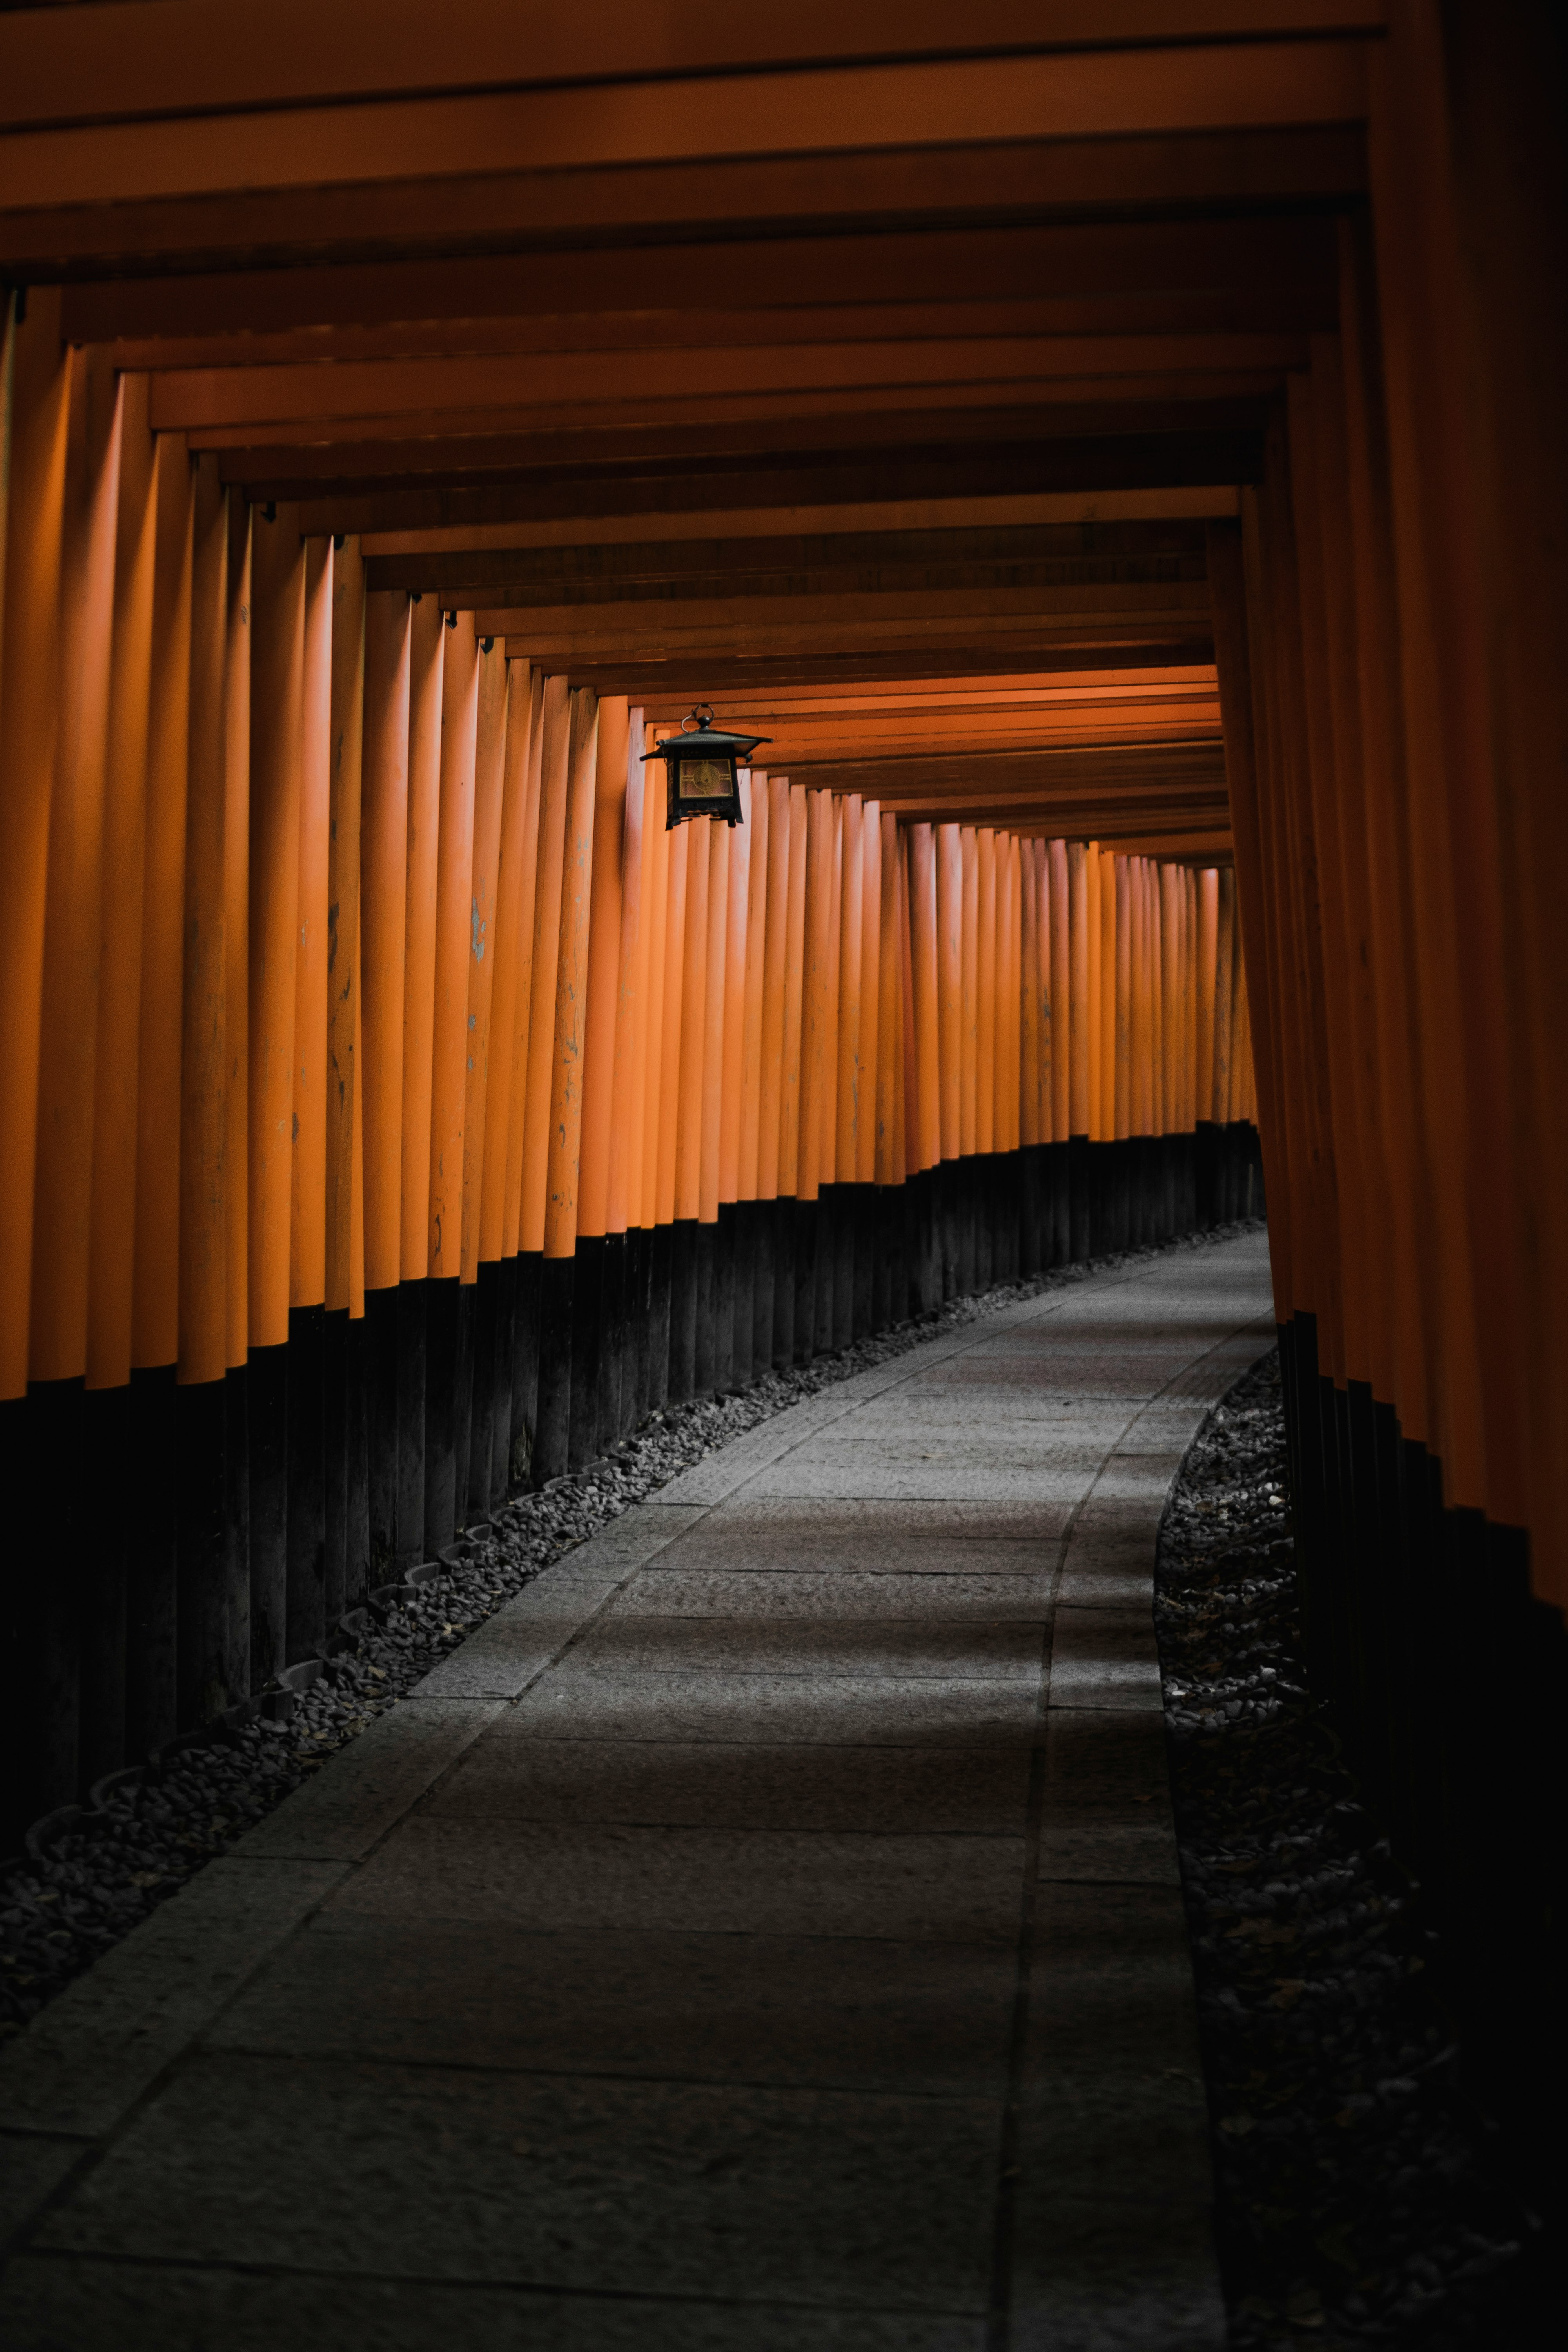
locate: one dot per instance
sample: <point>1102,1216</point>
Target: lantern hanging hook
<point>697,718</point>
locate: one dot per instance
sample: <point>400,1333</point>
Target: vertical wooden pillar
<point>1043,984</point>
<point>595,1337</point>
<point>204,1270</point>
<point>525,746</point>
<point>1077,983</point>
<point>774,1328</point>
<point>124,854</point>
<point>346,789</point>
<point>210,1602</point>
<point>1224,962</point>
<point>733,1301</point>
<point>624,1220</point>
<point>427,641</point>
<point>569,1040</point>
<point>948,975</point>
<point>868,1059</point>
<point>308,1242</point>
<point>237,1402</point>
<point>555,776</point>
<point>385,884</point>
<point>347,1431</point>
<point>277,654</point>
<point>454,931</point>
<point>985,959</point>
<point>928,939</point>
<point>29,624</point>
<point>477,1300</point>
<point>792,935</point>
<point>852,903</point>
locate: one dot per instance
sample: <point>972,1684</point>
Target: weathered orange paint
<point>237,928</point>
<point>308,1175</point>
<point>737,865</point>
<point>383,883</point>
<point>525,710</point>
<point>693,1025</point>
<point>851,921</point>
<point>116,1069</point>
<point>347,788</point>
<point>426,639</point>
<point>866,1059</point>
<point>571,980</point>
<point>204,1268</point>
<point>28,621</point>
<point>759,816</point>
<point>556,757</point>
<point>603,965</point>
<point>775,932</point>
<point>715,980</point>
<point>515,864</point>
<point>454,923</point>
<point>480,1089</point>
<point>792,1080</point>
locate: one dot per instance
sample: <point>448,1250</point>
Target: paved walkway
<point>764,1936</point>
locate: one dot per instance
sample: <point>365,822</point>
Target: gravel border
<point>1358,2201</point>
<point>89,1878</point>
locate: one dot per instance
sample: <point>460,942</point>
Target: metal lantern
<point>700,768</point>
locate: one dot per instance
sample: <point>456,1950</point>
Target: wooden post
<point>483,942</point>
<point>383,885</point>
<point>555,753</point>
<point>775,930</point>
<point>204,1270</point>
<point>124,854</point>
<point>30,620</point>
<point>426,640</point>
<point>985,975</point>
<point>346,789</point>
<point>308,1173</point>
<point>525,709</point>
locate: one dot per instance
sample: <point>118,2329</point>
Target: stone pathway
<point>762,1936</point>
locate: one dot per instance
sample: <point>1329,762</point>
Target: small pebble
<point>1354,2196</point>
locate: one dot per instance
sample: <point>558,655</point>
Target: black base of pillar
<point>683,1310</point>
<point>587,1312</point>
<point>527,1307</point>
<point>552,1428</point>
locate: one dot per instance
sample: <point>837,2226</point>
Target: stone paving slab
<point>824,1597</point>
<point>97,2049</point>
<point>838,2012</point>
<point>967,1650</point>
<point>614,1875</point>
<point>675,1968</point>
<point>60,2303</point>
<point>983,1791</point>
<point>758,2192</point>
<point>582,1702</point>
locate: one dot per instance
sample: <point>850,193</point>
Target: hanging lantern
<point>702,767</point>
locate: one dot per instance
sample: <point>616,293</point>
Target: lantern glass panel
<point>706,783</point>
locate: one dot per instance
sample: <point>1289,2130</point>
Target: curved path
<point>764,1936</point>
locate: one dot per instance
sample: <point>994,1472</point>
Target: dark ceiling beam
<point>349,185</point>
<point>851,562</point>
<point>684,682</point>
<point>718,267</point>
<point>448,482</point>
<point>1279,304</point>
<point>763,414</point>
<point>153,56</point>
<point>770,379</point>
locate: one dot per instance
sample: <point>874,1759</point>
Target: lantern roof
<point>698,736</point>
